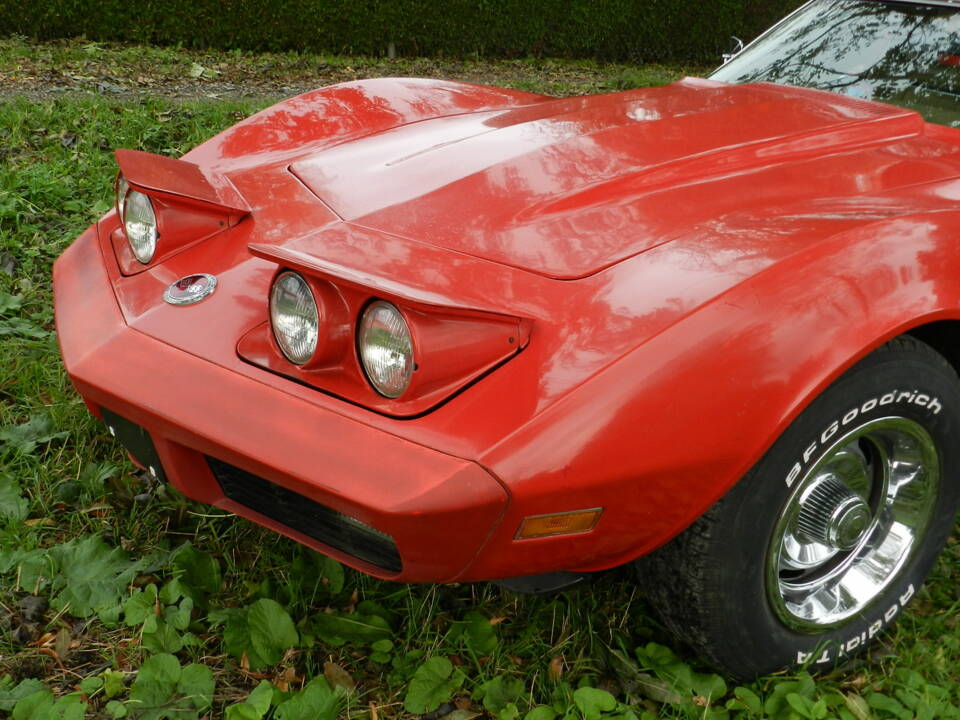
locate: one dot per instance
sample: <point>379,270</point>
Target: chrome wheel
<point>851,523</point>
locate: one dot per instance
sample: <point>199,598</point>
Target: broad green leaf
<point>634,681</point>
<point>33,568</point>
<point>90,685</point>
<point>140,605</point>
<point>236,635</point>
<point>337,629</point>
<point>68,707</point>
<point>34,707</point>
<point>593,702</point>
<point>10,695</point>
<point>113,683</point>
<point>13,507</point>
<point>164,690</point>
<point>162,638</point>
<point>242,711</point>
<point>746,699</point>
<point>92,576</point>
<point>381,651</point>
<point>879,701</point>
<point>18,326</point>
<point>9,302</point>
<point>198,570</point>
<point>333,573</point>
<point>481,636</point>
<point>433,684</point>
<point>255,706</point>
<point>801,705</point>
<point>171,592</point>
<point>709,686</point>
<point>776,701</point>
<point>42,706</point>
<point>369,607</point>
<point>156,681</point>
<point>500,692</point>
<point>25,438</point>
<point>196,685</point>
<point>272,632</point>
<point>541,712</point>
<point>178,616</point>
<point>315,702</point>
<point>509,712</point>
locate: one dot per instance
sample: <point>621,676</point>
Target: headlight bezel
<point>301,360</point>
<point>452,345</point>
<point>391,391</point>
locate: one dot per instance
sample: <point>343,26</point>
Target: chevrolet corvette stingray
<point>445,332</point>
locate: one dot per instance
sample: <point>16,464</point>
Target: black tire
<point>729,585</point>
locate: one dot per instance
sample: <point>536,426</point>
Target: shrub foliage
<point>639,30</point>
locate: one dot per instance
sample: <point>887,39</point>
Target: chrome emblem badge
<point>190,289</point>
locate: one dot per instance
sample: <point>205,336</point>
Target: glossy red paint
<point>693,264</point>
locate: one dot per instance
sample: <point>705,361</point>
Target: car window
<point>898,53</point>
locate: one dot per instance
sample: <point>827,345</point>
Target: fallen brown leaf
<point>338,677</point>
<point>62,643</point>
<point>45,640</point>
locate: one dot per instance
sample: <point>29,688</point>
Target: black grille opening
<point>302,514</point>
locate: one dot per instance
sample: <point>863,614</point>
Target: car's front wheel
<point>821,545</point>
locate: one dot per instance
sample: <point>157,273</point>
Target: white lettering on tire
<point>845,646</point>
<point>910,397</point>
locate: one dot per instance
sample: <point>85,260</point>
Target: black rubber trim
<point>323,524</point>
<point>136,440</point>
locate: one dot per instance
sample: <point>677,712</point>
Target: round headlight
<point>386,349</point>
<point>122,188</point>
<point>294,317</point>
<point>140,224</point>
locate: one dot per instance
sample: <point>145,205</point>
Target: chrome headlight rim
<point>142,232</point>
<point>302,358</point>
<point>391,391</point>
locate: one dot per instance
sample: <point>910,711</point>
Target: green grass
<point>83,530</point>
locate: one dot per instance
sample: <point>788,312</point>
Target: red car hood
<point>566,188</point>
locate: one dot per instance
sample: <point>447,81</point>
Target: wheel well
<point>944,337</point>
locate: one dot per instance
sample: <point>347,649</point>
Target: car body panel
<point>683,311</point>
<point>524,187</point>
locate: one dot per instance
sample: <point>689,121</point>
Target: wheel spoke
<point>851,523</point>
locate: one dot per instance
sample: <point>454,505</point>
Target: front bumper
<point>439,510</point>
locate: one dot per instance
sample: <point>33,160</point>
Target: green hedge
<point>641,30</point>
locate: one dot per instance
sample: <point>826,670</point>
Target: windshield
<point>898,53</point>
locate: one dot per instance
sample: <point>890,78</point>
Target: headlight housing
<point>386,349</point>
<point>294,317</point>
<point>140,225</point>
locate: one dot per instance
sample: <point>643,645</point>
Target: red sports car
<point>444,332</point>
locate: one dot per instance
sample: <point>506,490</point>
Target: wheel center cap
<point>849,524</point>
<point>833,515</point>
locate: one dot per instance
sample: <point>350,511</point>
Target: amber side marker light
<point>568,523</point>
